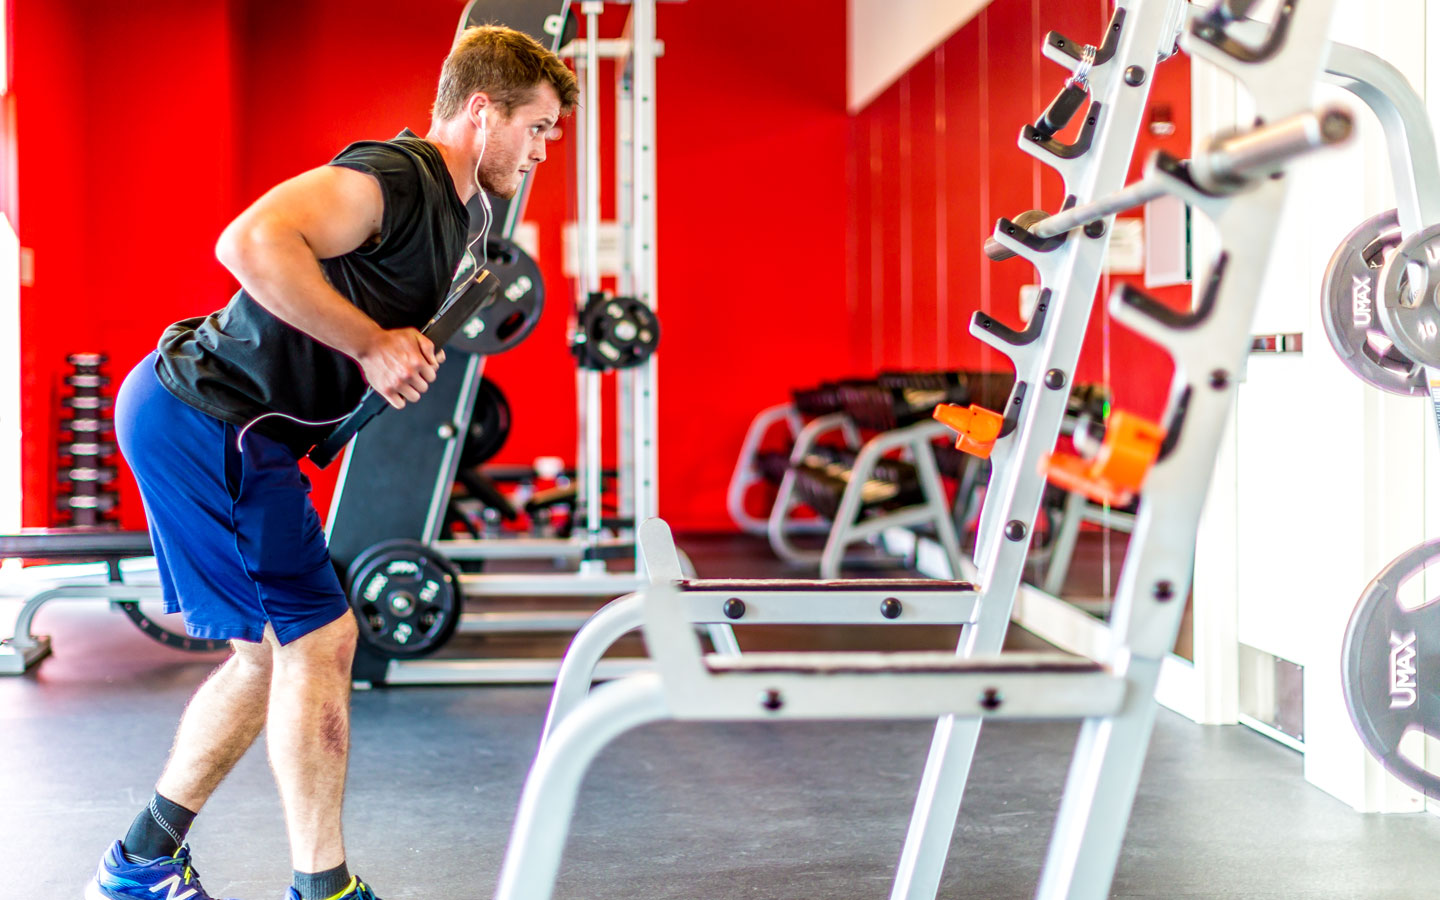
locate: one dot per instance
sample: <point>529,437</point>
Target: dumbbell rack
<point>87,498</point>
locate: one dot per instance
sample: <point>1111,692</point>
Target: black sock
<point>158,831</point>
<point>322,885</point>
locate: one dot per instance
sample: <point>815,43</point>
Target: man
<point>337,267</point>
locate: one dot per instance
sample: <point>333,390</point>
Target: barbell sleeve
<point>1230,163</point>
<point>1236,159</point>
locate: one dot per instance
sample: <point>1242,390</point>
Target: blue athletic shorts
<point>237,539</point>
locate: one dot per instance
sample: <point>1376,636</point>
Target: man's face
<point>516,145</point>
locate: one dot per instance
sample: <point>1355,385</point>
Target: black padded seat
<point>906,663</point>
<point>867,585</point>
<point>74,544</point>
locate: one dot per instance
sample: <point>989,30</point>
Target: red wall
<point>145,127</point>
<point>935,163</point>
<point>125,154</point>
<point>796,242</point>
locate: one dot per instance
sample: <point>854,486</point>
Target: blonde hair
<point>507,65</point>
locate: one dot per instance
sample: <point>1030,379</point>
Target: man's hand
<point>400,364</point>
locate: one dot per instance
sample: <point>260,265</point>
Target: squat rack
<point>1115,698</point>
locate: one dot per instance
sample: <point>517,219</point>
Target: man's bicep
<point>335,209</point>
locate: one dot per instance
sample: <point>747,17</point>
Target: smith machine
<point>387,522</point>
<point>1167,464</point>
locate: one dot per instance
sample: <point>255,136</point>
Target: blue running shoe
<point>119,879</point>
<point>356,890</point>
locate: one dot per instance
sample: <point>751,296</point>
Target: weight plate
<point>103,502</point>
<point>86,426</point>
<point>87,381</point>
<point>618,333</point>
<point>1408,310</point>
<point>97,474</point>
<point>91,448</point>
<point>1348,299</point>
<point>516,309</point>
<point>406,597</point>
<point>1388,675</point>
<point>154,630</point>
<point>489,426</point>
<point>83,402</point>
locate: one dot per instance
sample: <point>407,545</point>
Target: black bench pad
<point>905,663</point>
<point>868,585</point>
<point>74,543</point>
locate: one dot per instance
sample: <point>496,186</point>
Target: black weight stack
<point>87,440</point>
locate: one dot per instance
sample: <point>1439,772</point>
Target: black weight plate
<point>1348,298</point>
<point>516,309</point>
<point>88,448</point>
<point>620,333</point>
<point>95,474</point>
<point>1407,307</point>
<point>86,381</point>
<point>489,426</point>
<point>103,502</point>
<point>86,426</point>
<point>155,631</point>
<point>406,598</point>
<point>87,403</point>
<point>1388,676</point>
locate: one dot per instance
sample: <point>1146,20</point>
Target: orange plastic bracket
<point>979,428</point>
<point>1114,476</point>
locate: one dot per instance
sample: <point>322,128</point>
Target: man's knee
<point>331,646</point>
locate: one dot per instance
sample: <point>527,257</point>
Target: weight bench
<point>689,685</point>
<point>720,604</point>
<point>73,545</point>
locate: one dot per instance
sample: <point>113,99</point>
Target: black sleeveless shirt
<point>243,362</point>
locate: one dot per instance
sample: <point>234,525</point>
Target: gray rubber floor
<point>799,811</point>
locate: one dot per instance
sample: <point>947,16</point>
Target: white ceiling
<point>887,37</point>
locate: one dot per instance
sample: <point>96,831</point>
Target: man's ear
<point>477,106</point>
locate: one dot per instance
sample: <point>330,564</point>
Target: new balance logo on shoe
<point>174,884</point>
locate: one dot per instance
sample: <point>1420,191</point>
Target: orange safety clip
<point>979,427</point>
<point>1114,476</point>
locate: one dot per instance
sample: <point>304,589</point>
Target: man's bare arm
<point>274,249</point>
